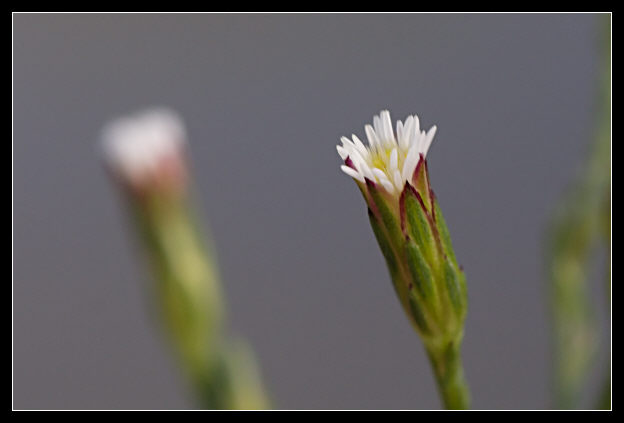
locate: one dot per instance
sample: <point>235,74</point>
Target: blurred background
<point>265,99</point>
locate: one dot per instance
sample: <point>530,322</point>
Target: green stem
<point>584,216</point>
<point>213,388</point>
<point>222,370</point>
<point>604,401</point>
<point>449,374</point>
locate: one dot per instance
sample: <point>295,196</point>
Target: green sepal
<point>378,204</point>
<point>453,280</point>
<point>384,244</point>
<point>418,316</point>
<point>443,232</point>
<point>416,223</point>
<point>391,258</point>
<point>420,181</point>
<point>422,276</point>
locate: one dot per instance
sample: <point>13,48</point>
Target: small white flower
<point>387,160</point>
<point>136,146</point>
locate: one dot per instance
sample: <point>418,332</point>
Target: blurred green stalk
<point>581,222</point>
<point>145,153</point>
<point>223,373</point>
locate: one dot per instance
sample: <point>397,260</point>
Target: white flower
<point>136,146</point>
<point>387,160</point>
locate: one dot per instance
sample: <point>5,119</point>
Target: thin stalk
<point>449,373</point>
<point>222,371</point>
<point>582,221</point>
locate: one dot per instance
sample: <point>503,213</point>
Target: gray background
<point>265,99</point>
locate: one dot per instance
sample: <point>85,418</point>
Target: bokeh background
<point>265,99</point>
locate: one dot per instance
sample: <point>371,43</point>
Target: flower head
<point>408,225</point>
<point>413,237</point>
<point>388,159</point>
<point>146,148</point>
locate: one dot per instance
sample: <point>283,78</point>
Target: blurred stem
<point>191,304</point>
<point>449,373</point>
<point>604,137</point>
<point>583,218</point>
<point>187,288</point>
<point>604,400</point>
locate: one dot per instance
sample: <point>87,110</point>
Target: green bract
<point>416,244</point>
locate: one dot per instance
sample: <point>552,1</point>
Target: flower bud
<point>145,151</point>
<point>408,225</point>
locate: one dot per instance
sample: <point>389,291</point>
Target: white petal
<point>398,181</point>
<point>380,174</point>
<point>388,186</point>
<point>421,140</point>
<point>357,159</point>
<point>383,180</point>
<point>352,173</point>
<point>348,147</point>
<point>347,143</point>
<point>409,121</point>
<point>407,133</point>
<point>372,137</point>
<point>416,124</point>
<point>342,152</point>
<point>399,131</point>
<point>429,139</point>
<point>394,159</point>
<point>360,146</point>
<point>410,163</point>
<point>364,169</point>
<point>386,124</point>
<point>377,126</point>
<point>414,135</point>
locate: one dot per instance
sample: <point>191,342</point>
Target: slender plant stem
<point>583,218</point>
<point>222,370</point>
<point>604,401</point>
<point>605,134</point>
<point>449,373</point>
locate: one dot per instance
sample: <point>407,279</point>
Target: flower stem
<point>449,373</point>
<point>222,370</point>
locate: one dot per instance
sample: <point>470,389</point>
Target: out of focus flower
<point>145,153</point>
<point>146,150</point>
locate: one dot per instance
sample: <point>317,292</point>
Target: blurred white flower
<point>145,147</point>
